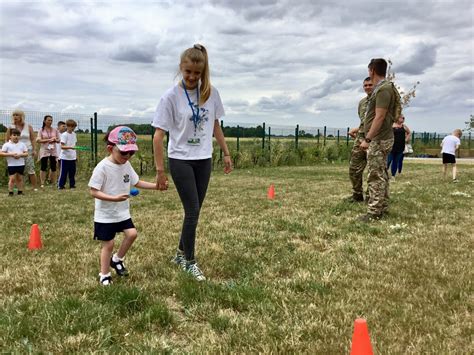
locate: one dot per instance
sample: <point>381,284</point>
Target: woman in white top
<point>27,137</point>
<point>190,112</point>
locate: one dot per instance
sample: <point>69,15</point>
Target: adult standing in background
<point>190,112</point>
<point>358,160</point>
<point>401,136</point>
<point>382,107</point>
<point>27,137</point>
<point>48,136</point>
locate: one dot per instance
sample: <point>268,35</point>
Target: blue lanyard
<point>190,103</point>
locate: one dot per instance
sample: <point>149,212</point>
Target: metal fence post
<point>469,143</point>
<point>92,142</point>
<point>263,137</point>
<point>337,137</point>
<point>238,138</point>
<point>347,137</point>
<point>318,136</point>
<point>220,150</point>
<point>269,136</point>
<point>95,138</point>
<point>297,132</point>
<point>413,138</point>
<point>324,136</point>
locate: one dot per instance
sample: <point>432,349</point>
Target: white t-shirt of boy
<point>449,144</point>
<point>112,179</point>
<point>69,140</point>
<point>19,148</point>
<point>188,141</point>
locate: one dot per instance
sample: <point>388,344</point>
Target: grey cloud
<point>137,54</point>
<point>423,58</point>
<point>463,74</point>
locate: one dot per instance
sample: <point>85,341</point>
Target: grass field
<point>288,275</point>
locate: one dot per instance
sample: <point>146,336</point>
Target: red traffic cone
<point>271,192</point>
<point>360,339</point>
<point>35,238</point>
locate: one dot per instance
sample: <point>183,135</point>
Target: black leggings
<point>191,178</point>
<point>52,163</point>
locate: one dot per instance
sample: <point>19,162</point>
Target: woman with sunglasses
<point>190,112</point>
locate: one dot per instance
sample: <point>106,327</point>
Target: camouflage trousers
<point>356,166</point>
<point>377,179</point>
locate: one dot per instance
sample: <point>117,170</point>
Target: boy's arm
<point>146,185</point>
<point>64,146</point>
<point>106,197</point>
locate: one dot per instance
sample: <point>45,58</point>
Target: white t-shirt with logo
<point>174,115</point>
<point>112,179</point>
<point>449,144</point>
<point>69,140</point>
<point>19,148</point>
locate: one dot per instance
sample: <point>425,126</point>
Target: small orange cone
<point>35,238</point>
<point>271,192</point>
<point>360,339</point>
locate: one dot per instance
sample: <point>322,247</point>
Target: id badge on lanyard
<point>194,140</point>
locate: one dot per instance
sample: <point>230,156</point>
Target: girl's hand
<point>161,181</point>
<point>228,167</point>
<point>120,198</point>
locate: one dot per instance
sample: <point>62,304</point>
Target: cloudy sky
<point>275,61</point>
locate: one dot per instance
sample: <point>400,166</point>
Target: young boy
<point>110,185</point>
<point>15,151</point>
<point>68,156</point>
<point>61,129</point>
<point>449,146</point>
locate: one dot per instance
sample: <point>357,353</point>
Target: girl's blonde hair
<point>22,115</point>
<point>198,54</point>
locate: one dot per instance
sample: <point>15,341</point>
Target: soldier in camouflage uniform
<point>382,108</point>
<point>358,156</point>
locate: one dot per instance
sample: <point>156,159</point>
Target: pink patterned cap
<point>124,138</point>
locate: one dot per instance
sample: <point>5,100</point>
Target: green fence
<point>250,145</point>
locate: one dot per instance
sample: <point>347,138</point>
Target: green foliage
<point>3,128</point>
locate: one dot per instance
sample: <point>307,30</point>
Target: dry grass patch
<point>288,275</point>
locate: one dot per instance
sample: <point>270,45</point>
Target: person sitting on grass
<point>449,146</point>
<point>15,152</point>
<point>110,186</point>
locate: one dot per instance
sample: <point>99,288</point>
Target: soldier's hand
<point>364,145</point>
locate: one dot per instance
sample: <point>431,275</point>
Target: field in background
<point>288,275</point>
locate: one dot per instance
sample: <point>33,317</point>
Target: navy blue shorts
<point>107,231</point>
<point>449,158</point>
<point>12,170</point>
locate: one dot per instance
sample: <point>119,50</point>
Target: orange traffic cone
<point>271,192</point>
<point>35,238</point>
<point>360,339</point>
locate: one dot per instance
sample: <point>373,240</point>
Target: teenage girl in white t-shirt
<point>190,112</point>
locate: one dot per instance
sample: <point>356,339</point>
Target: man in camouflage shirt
<point>381,110</point>
<point>358,156</point>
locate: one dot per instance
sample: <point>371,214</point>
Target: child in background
<point>61,129</point>
<point>449,146</point>
<point>15,152</point>
<point>68,157</point>
<point>110,185</point>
